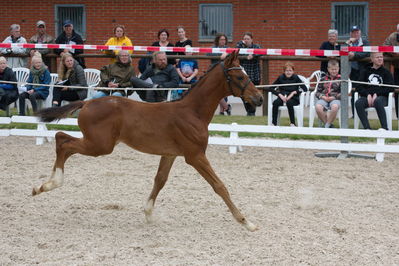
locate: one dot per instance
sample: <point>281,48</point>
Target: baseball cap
<point>353,28</point>
<point>40,22</point>
<point>67,22</point>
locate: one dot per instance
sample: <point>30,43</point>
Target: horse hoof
<point>35,191</point>
<point>148,216</point>
<point>148,211</point>
<point>149,219</point>
<point>250,226</point>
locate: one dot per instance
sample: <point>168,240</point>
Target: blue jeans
<point>100,94</point>
<point>176,94</point>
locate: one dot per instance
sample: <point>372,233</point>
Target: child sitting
<point>329,95</point>
<point>188,70</point>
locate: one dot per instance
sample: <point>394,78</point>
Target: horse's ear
<point>232,57</point>
<point>235,55</point>
<point>237,52</point>
<point>227,60</point>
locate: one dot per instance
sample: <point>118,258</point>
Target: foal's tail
<point>53,113</point>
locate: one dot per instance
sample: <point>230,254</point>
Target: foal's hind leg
<point>201,164</point>
<point>160,179</point>
<point>66,146</point>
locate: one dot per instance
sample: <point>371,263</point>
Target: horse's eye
<point>240,78</point>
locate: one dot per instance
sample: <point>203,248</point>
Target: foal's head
<point>238,82</point>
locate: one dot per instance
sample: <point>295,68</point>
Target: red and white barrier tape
<point>388,49</point>
<point>293,52</point>
<point>297,52</point>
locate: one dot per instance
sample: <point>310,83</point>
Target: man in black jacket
<point>69,36</point>
<point>356,67</point>
<point>372,95</point>
<point>159,74</point>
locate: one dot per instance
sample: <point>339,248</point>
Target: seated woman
<point>8,92</point>
<point>119,39</point>
<point>329,95</point>
<point>70,73</point>
<point>289,94</point>
<point>39,74</point>
<point>116,75</point>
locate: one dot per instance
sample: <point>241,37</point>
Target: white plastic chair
<point>312,110</point>
<point>388,111</point>
<point>317,75</point>
<point>22,75</point>
<point>92,76</point>
<point>49,100</point>
<point>298,109</point>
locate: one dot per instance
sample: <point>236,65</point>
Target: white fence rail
<point>235,142</point>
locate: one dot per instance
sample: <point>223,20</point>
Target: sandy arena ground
<point>310,211</point>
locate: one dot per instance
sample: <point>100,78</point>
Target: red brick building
<point>274,24</point>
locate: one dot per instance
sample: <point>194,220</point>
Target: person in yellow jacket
<point>119,39</point>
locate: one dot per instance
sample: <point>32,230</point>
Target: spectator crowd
<point>161,71</point>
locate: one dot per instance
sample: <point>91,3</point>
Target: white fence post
<point>380,155</point>
<point>234,136</point>
<point>40,140</point>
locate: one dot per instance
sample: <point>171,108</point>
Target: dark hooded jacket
<point>75,38</point>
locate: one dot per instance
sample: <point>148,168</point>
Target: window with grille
<point>75,13</point>
<point>348,14</point>
<point>213,19</point>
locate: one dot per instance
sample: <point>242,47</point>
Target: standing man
<point>159,74</point>
<point>69,36</point>
<point>41,37</point>
<point>372,95</point>
<point>15,37</point>
<point>393,40</point>
<point>251,66</point>
<point>356,67</point>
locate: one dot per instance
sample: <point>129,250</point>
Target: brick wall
<point>274,24</point>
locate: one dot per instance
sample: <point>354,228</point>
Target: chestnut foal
<point>169,129</point>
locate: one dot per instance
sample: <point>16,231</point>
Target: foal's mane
<point>196,83</point>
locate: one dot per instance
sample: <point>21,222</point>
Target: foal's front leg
<point>201,164</point>
<point>160,179</point>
